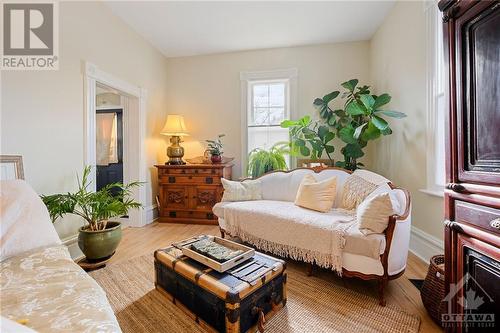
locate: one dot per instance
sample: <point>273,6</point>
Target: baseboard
<point>151,213</point>
<point>424,245</point>
<point>71,243</point>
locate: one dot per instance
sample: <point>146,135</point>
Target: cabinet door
<point>478,287</point>
<point>204,197</point>
<point>174,197</point>
<point>477,55</point>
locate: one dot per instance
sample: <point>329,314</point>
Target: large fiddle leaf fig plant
<point>360,120</point>
<point>310,138</point>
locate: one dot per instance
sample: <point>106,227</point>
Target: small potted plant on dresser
<point>215,148</point>
<point>99,237</point>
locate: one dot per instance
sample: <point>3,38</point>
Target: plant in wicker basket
<point>432,291</point>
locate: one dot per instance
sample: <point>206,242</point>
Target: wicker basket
<point>432,291</point>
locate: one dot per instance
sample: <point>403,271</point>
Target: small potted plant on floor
<point>99,237</point>
<point>215,148</point>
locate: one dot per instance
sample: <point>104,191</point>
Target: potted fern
<point>261,161</point>
<point>99,237</point>
<point>215,148</point>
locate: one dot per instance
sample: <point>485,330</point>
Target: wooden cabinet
<point>472,198</point>
<point>187,193</point>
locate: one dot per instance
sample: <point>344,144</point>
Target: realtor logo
<point>29,37</point>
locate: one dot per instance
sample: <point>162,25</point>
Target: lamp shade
<point>174,126</point>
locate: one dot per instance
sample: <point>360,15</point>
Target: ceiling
<point>194,28</point>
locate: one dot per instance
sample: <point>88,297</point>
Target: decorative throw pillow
<point>355,190</point>
<point>241,191</point>
<point>373,214</point>
<point>316,195</point>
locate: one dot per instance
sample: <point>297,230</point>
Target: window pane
<point>261,95</point>
<point>277,94</point>
<point>267,109</point>
<point>439,55</point>
<point>266,137</point>
<point>276,116</point>
<point>260,116</point>
<point>439,141</point>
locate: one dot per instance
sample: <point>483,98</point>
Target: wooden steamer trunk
<point>238,300</point>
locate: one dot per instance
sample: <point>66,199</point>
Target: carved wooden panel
<point>477,264</point>
<point>175,197</point>
<point>478,89</point>
<point>204,197</point>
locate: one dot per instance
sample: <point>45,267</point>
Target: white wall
<point>206,89</point>
<point>42,111</point>
<point>398,66</point>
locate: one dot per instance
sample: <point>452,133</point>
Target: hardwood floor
<point>400,292</point>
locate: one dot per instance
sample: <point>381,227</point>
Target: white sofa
<point>41,286</point>
<point>376,256</point>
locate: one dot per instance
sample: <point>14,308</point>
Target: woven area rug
<point>314,305</point>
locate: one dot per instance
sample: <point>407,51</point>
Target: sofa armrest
<point>397,237</point>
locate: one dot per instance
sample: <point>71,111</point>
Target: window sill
<point>435,193</point>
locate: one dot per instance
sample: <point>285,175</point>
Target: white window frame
<point>432,21</point>
<point>248,79</point>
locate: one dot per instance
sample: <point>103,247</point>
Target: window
<point>268,107</point>
<point>267,100</point>
<point>436,102</point>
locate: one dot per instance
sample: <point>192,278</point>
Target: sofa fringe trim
<point>329,261</point>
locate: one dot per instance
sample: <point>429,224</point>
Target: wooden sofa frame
<point>389,233</point>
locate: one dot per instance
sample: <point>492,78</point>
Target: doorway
<point>109,137</point>
<point>114,135</point>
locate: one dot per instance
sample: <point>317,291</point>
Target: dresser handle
<point>495,224</point>
<point>456,188</point>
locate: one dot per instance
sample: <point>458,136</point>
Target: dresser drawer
<point>186,171</point>
<point>186,180</point>
<point>189,214</point>
<point>483,217</point>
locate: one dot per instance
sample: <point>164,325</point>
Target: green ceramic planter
<point>102,244</point>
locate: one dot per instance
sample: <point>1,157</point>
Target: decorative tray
<point>215,252</point>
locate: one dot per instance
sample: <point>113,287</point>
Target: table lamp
<point>175,128</point>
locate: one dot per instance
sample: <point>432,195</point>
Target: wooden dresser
<point>472,196</point>
<point>188,192</point>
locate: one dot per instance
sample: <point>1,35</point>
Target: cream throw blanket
<point>312,238</point>
<point>24,220</point>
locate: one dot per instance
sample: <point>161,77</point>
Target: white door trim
<point>136,114</point>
